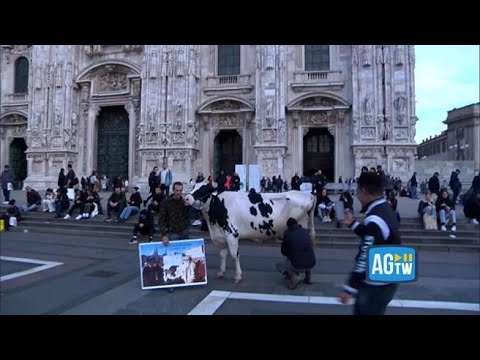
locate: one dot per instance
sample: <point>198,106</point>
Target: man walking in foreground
<point>379,227</point>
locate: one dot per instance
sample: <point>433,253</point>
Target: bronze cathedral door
<point>112,148</point>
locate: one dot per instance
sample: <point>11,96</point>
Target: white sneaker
<point>474,222</point>
<point>78,217</point>
<point>66,217</point>
<point>454,228</point>
<point>196,223</point>
<point>443,228</point>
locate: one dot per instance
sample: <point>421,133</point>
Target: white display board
<point>254,176</point>
<point>241,170</point>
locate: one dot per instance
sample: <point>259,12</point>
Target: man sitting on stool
<point>298,250</point>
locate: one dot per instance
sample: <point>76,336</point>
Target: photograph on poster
<point>181,263</point>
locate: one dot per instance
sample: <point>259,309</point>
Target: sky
<point>446,77</point>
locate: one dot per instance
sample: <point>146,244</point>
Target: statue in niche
<point>399,55</point>
<point>367,55</point>
<point>178,116</point>
<point>152,118</point>
<point>269,113</point>
<point>180,65</point>
<point>153,65</point>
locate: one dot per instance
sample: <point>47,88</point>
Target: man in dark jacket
<point>434,184</point>
<point>379,227</point>
<point>472,207</point>
<point>5,179</point>
<point>298,250</point>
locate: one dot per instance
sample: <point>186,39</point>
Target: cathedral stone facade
<point>122,109</point>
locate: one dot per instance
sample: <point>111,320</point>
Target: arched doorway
<point>318,153</point>
<point>228,151</point>
<point>18,162</point>
<point>112,142</point>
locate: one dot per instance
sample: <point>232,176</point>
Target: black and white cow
<point>232,216</point>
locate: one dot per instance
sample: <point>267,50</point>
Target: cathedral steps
<point>327,235</point>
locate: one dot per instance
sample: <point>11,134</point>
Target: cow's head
<point>199,195</point>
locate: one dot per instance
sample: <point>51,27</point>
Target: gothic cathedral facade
<point>122,109</point>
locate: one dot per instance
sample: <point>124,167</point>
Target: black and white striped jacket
<point>379,227</point>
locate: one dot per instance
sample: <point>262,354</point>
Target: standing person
<point>295,182</point>
<point>434,184</point>
<point>71,177</point>
<point>173,219</point>
<point>298,250</point>
<point>62,179</point>
<point>455,185</point>
<point>6,181</point>
<point>380,226</point>
<point>166,178</point>
<point>413,186</point>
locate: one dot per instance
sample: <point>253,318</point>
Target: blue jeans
<point>413,192</point>
<point>373,300</point>
<point>27,208</point>
<point>129,210</point>
<point>442,214</point>
<point>6,193</point>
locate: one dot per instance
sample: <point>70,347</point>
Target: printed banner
<point>181,263</point>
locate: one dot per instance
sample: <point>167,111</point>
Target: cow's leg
<point>222,246</point>
<point>233,249</point>
<point>223,263</point>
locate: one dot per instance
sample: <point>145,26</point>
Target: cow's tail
<point>312,221</point>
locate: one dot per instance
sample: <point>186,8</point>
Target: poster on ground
<point>181,263</point>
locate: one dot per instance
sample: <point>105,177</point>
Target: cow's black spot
<point>265,209</point>
<point>271,201</point>
<point>254,197</point>
<point>203,192</point>
<point>253,211</point>
<point>252,225</point>
<point>217,212</point>
<point>267,226</point>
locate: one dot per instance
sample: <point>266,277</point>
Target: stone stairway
<point>467,236</point>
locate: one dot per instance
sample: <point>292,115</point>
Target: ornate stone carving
<point>192,63</point>
<point>401,133</point>
<point>140,136</point>
<point>37,120</point>
<point>305,131</point>
<point>228,121</point>
<point>38,77</point>
<point>331,130</point>
<point>270,57</point>
<point>399,55</point>
<point>152,120</point>
<point>282,130</point>
<point>269,135</point>
<point>59,75</point>
<point>56,142</point>
<point>178,137</point>
<point>165,135</point>
<point>19,131</point>
<point>112,81</point>
<point>367,55</point>
<point>269,113</point>
<point>400,106</point>
<point>153,65</point>
<point>413,121</point>
<point>226,105</point>
<point>354,55</point>
<point>368,132</point>
<point>319,101</point>
<point>178,116</point>
<point>356,128</point>
<point>270,166</point>
<point>180,64</point>
<point>57,121</point>
<point>151,137</point>
<point>399,165</point>
<point>192,134</point>
<point>85,93</point>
